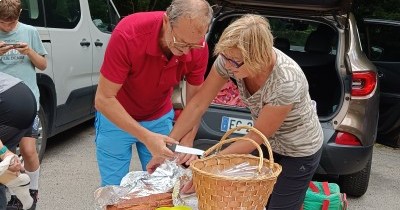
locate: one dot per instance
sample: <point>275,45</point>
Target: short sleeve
<point>37,45</point>
<point>219,65</point>
<point>284,93</point>
<point>116,64</point>
<point>196,75</point>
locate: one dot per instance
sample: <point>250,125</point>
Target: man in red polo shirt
<point>148,54</point>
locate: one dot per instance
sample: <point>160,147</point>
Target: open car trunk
<point>311,44</point>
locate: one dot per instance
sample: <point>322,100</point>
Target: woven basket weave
<point>227,192</point>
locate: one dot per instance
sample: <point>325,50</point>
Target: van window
<point>62,13</point>
<point>103,15</point>
<point>32,13</point>
<point>132,6</point>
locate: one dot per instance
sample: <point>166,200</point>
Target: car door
<point>383,49</point>
<point>104,18</point>
<point>72,48</point>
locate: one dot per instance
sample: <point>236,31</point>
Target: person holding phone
<point>21,53</point>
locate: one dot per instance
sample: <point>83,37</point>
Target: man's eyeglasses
<point>184,44</point>
<point>234,63</point>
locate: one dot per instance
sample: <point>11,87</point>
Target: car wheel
<point>356,184</point>
<point>41,141</point>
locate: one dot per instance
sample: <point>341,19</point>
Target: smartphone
<point>15,45</point>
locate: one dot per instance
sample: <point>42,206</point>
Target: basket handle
<point>265,140</point>
<point>226,141</point>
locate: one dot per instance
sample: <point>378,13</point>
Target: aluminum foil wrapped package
<point>139,184</point>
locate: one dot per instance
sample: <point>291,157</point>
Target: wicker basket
<point>227,192</point>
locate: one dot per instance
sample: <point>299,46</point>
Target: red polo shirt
<point>134,59</point>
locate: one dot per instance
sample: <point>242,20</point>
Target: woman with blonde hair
<point>275,90</point>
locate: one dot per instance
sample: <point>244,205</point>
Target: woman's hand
<point>187,140</point>
<point>186,159</point>
<point>188,188</point>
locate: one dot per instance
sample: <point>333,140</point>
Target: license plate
<point>228,123</point>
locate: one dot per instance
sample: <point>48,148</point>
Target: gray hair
<point>192,9</point>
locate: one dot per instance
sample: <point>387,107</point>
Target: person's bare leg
<point>28,151</point>
<point>31,164</point>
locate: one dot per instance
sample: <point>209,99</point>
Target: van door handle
<point>85,43</point>
<point>98,43</point>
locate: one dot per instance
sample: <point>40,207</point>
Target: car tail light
<point>363,83</point>
<point>347,139</point>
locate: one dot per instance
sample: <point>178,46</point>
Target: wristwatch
<point>3,150</point>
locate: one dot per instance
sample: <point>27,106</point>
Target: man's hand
<point>156,144</point>
<point>154,163</point>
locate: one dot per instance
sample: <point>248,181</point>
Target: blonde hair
<point>251,35</point>
<point>10,9</point>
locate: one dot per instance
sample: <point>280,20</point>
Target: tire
<point>356,184</point>
<point>41,141</point>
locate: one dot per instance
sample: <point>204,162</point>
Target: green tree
<point>380,9</point>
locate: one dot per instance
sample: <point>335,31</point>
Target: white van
<point>75,34</point>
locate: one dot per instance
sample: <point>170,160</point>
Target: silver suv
<point>322,37</point>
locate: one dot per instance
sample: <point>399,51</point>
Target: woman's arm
<point>268,122</point>
<point>196,107</point>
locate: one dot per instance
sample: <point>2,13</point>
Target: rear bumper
<point>335,160</point>
<point>339,159</point>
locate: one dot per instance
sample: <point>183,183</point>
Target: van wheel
<point>356,184</point>
<point>41,141</point>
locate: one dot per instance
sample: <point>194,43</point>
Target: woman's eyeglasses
<point>234,63</point>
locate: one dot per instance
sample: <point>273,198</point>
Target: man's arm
<point>107,103</point>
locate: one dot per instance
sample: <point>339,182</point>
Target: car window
<point>383,44</point>
<point>62,13</point>
<point>296,33</point>
<point>103,15</point>
<point>32,13</point>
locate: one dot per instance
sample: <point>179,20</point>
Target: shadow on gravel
<point>61,138</point>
